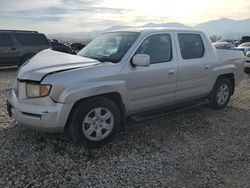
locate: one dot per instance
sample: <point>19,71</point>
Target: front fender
<point>75,93</point>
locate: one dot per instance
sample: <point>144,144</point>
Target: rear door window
<point>31,39</point>
<point>5,40</point>
<point>191,46</point>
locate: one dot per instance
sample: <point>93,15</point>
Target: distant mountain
<point>116,27</point>
<point>227,28</point>
<point>76,36</point>
<point>171,24</point>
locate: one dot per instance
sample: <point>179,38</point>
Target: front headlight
<point>34,89</point>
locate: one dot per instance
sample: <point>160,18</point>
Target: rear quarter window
<point>191,46</point>
<point>31,39</point>
<point>5,40</point>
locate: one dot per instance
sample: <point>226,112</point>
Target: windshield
<point>247,44</point>
<point>109,47</point>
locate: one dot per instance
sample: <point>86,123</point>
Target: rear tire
<point>221,93</point>
<point>94,122</point>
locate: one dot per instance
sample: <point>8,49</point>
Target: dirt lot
<point>196,148</point>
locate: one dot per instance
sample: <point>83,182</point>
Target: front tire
<point>95,122</point>
<point>221,93</point>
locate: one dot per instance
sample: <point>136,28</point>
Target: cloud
<point>57,10</point>
<point>85,15</point>
<point>66,15</point>
<point>100,23</point>
<point>102,10</point>
<point>26,5</point>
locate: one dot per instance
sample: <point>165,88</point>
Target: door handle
<point>13,48</point>
<point>171,73</point>
<point>207,67</point>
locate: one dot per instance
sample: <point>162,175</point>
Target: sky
<point>64,16</point>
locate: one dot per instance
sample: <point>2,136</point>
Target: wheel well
<point>114,96</point>
<point>229,76</point>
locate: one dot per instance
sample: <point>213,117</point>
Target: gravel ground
<point>197,148</point>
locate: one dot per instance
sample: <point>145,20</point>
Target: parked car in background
<point>245,39</point>
<point>57,46</point>
<point>54,40</point>
<point>17,46</point>
<point>121,74</point>
<point>224,45</point>
<point>245,47</point>
<point>236,42</point>
<point>67,43</point>
<point>76,47</point>
<point>247,65</point>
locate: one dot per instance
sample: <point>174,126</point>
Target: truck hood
<point>48,62</point>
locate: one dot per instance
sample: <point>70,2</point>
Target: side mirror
<point>141,60</point>
<point>248,54</point>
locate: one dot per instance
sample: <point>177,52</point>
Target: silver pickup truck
<point>120,74</point>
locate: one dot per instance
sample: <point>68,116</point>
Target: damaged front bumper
<point>39,114</point>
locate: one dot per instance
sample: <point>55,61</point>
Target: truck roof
<point>155,29</point>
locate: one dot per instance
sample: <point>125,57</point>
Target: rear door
<point>153,86</point>
<point>193,66</point>
<point>9,54</point>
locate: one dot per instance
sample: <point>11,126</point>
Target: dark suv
<point>17,46</point>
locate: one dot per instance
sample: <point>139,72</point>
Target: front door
<point>155,85</point>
